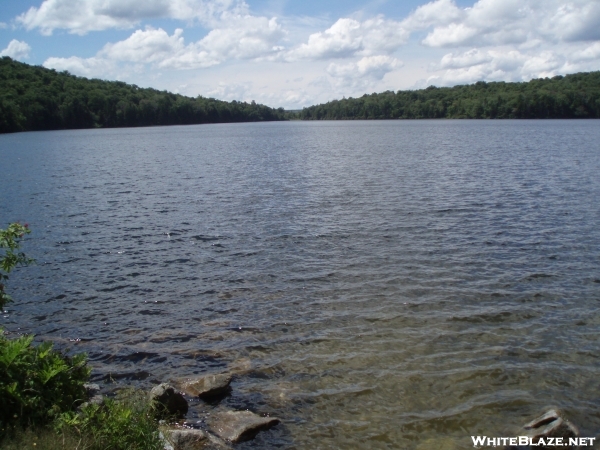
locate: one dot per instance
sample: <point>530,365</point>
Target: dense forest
<point>571,96</point>
<point>35,98</point>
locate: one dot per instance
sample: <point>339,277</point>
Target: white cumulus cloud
<point>363,74</point>
<point>575,20</point>
<point>87,67</point>
<point>83,16</point>
<point>589,53</point>
<point>145,46</point>
<point>509,40</point>
<point>467,59</point>
<point>16,50</point>
<point>369,66</point>
<point>498,65</point>
<point>436,13</point>
<point>349,37</point>
<point>243,37</point>
<point>240,37</point>
<point>502,22</point>
<point>492,40</point>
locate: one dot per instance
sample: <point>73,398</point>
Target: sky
<point>292,54</point>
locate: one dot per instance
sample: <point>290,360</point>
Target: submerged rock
<point>167,401</point>
<point>91,389</point>
<point>95,400</point>
<point>241,366</point>
<point>185,439</point>
<point>438,444</point>
<point>93,396</point>
<point>551,424</point>
<point>207,387</point>
<point>191,439</point>
<point>235,426</point>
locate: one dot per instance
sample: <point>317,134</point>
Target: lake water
<point>376,285</point>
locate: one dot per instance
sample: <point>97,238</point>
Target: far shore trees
<point>574,96</point>
<point>34,98</point>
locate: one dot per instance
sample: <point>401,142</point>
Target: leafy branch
<point>11,257</point>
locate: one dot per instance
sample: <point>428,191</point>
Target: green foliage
<point>121,424</point>
<point>10,241</point>
<point>43,438</point>
<point>34,98</point>
<point>569,97</point>
<point>124,424</point>
<point>40,387</point>
<point>37,383</point>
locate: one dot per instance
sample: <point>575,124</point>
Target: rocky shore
<point>217,430</point>
<point>223,427</point>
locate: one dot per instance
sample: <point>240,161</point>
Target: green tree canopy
<point>35,98</point>
<point>569,97</point>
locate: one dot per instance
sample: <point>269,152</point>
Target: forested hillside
<point>35,98</point>
<point>571,96</point>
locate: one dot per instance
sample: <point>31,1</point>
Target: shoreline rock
<point>224,426</point>
<point>208,387</point>
<point>168,401</point>
<point>93,396</point>
<point>191,439</point>
<point>551,424</point>
<point>236,426</point>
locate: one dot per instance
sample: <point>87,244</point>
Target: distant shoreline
<point>574,96</point>
<point>33,98</point>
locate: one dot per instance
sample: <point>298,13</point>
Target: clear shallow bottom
<point>374,284</point>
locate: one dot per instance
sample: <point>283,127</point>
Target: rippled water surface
<point>376,285</point>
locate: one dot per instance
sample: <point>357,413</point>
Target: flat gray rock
<point>91,389</point>
<point>207,387</point>
<point>97,399</point>
<point>556,428</point>
<point>549,416</point>
<point>551,424</point>
<point>216,443</point>
<point>168,401</point>
<point>235,426</point>
<point>186,439</point>
<point>93,396</point>
<point>191,439</point>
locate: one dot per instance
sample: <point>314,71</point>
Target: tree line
<point>35,98</point>
<point>560,97</point>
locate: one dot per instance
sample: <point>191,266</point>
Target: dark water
<point>375,284</point>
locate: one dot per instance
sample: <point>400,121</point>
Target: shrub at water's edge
<point>37,383</point>
<point>126,423</point>
<point>41,389</point>
<point>10,241</point>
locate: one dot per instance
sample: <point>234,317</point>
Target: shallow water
<point>375,285</point>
